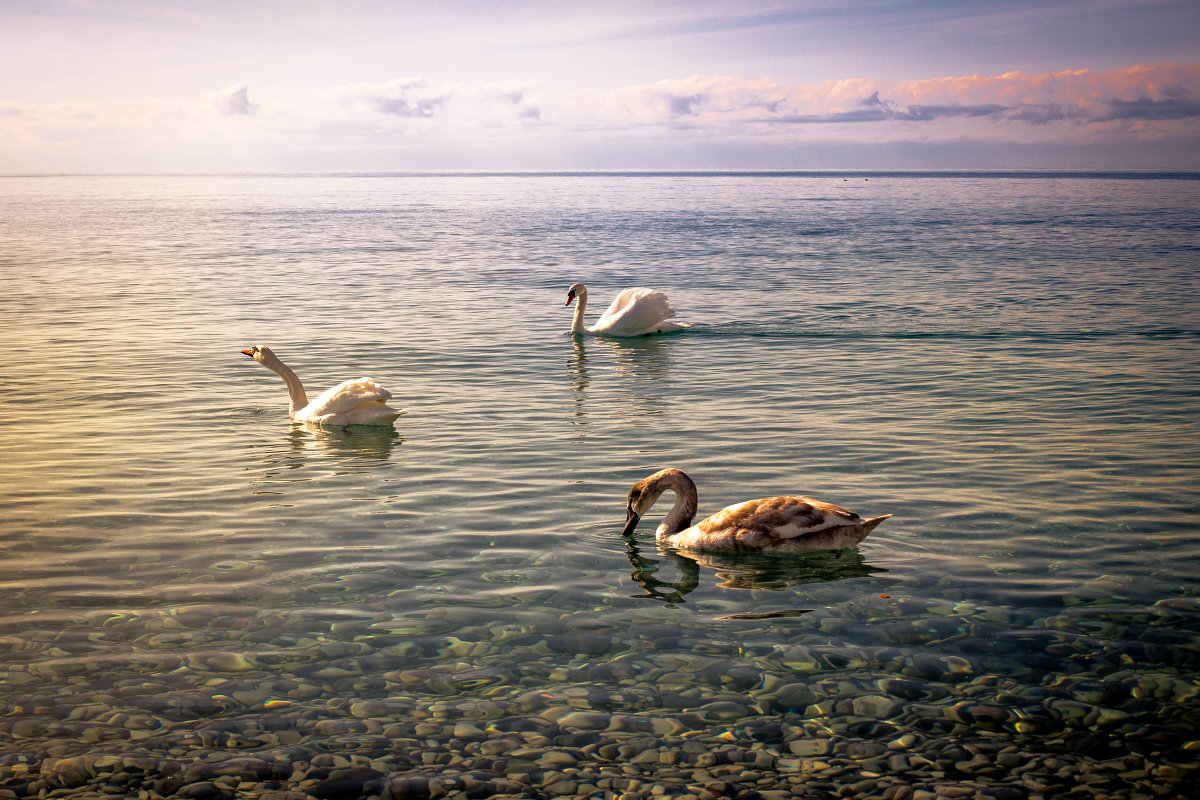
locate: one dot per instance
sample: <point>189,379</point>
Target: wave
<point>766,331</point>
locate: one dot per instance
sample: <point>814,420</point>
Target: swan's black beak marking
<point>631,521</point>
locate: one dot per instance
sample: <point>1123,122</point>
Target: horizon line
<point>617,172</point>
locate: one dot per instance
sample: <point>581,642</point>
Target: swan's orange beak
<point>570,297</point>
<point>249,353</point>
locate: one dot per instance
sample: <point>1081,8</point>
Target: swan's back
<point>778,523</point>
<point>635,312</point>
<point>354,402</point>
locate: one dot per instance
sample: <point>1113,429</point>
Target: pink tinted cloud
<point>1145,94</point>
<point>1155,90</point>
<point>1138,107</point>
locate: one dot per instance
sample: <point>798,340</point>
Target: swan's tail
<point>868,525</point>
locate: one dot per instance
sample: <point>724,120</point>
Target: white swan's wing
<point>376,412</point>
<point>635,312</point>
<point>345,400</point>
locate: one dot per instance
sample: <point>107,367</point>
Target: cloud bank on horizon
<point>1139,115</point>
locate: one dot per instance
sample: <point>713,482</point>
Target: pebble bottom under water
<point>535,703</point>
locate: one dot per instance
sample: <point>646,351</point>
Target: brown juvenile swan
<point>785,524</point>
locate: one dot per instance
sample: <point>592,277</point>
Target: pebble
<point>954,700</point>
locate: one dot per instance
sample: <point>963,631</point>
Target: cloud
<point>432,105</point>
<point>1147,108</point>
<point>723,104</point>
<point>235,101</point>
<point>400,107</point>
<point>872,109</point>
<point>685,106</point>
<point>407,98</point>
<point>519,124</point>
<point>1139,94</point>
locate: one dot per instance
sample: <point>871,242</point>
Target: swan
<point>360,402</point>
<point>770,524</point>
<point>634,312</point>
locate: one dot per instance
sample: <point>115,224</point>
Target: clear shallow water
<point>1010,365</point>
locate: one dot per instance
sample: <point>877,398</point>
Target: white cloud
<point>515,124</point>
<point>235,100</point>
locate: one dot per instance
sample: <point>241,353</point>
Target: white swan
<point>634,312</point>
<point>360,402</point>
<point>773,523</point>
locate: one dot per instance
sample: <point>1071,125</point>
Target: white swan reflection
<point>342,450</point>
<point>627,379</point>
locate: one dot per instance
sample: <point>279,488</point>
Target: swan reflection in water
<point>742,570</point>
<point>344,450</point>
<point>640,366</point>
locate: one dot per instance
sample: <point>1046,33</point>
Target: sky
<point>168,86</point>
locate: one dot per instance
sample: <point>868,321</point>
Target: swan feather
<point>353,402</point>
<point>633,312</point>
<point>345,396</point>
<point>774,523</point>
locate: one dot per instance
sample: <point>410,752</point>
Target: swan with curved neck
<point>633,312</point>
<point>788,523</point>
<point>360,402</point>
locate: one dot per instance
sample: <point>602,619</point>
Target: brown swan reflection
<point>757,570</point>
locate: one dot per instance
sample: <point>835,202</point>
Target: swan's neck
<point>580,305</point>
<point>681,514</point>
<point>297,399</point>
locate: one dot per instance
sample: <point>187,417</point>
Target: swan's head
<point>576,290</point>
<point>645,494</point>
<point>261,353</point>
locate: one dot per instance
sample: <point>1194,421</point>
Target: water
<point>1008,364</point>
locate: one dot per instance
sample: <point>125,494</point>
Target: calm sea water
<point>1008,364</point>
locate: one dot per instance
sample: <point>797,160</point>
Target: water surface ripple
<point>200,599</point>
